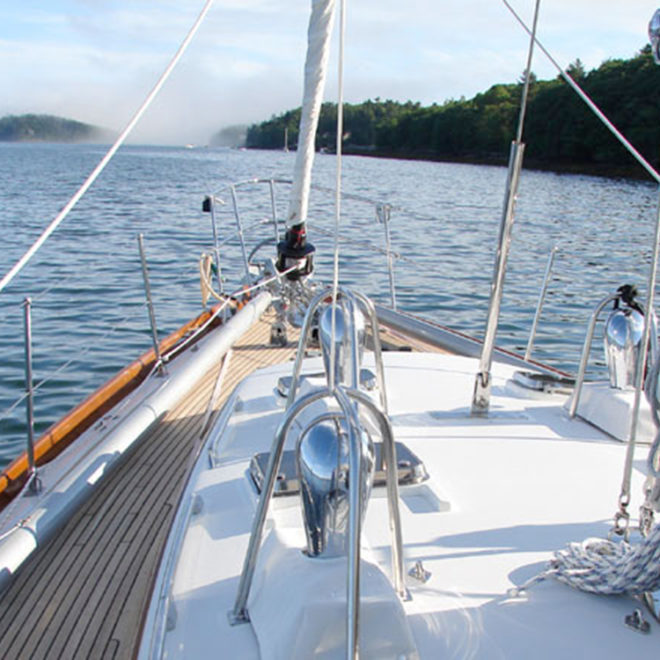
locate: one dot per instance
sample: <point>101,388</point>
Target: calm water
<point>86,282</point>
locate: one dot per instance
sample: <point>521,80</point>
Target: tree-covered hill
<point>560,132</point>
<point>47,128</point>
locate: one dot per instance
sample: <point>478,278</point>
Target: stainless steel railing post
<point>273,208</point>
<point>33,480</point>
<point>150,305</point>
<point>482,383</point>
<point>383,214</point>
<point>216,245</point>
<point>539,304</point>
<point>241,238</point>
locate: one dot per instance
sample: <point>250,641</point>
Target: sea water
<point>88,306</point>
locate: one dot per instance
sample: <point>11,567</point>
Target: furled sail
<point>316,66</point>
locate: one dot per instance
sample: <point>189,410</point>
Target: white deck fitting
<point>503,494</point>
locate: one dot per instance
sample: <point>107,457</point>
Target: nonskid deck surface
<point>504,493</point>
<point>82,595</point>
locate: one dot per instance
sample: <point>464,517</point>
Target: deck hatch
<point>411,470</point>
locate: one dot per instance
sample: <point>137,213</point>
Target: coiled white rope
<point>205,267</point>
<point>607,567</point>
<point>110,153</point>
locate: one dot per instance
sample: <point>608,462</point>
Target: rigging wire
<point>587,99</point>
<point>621,517</point>
<point>528,76</point>
<point>167,356</point>
<point>110,153</point>
<point>79,354</point>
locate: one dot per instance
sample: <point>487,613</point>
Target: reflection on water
<point>86,282</point>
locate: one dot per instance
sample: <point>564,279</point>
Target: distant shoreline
<point>49,128</point>
<point>605,170</point>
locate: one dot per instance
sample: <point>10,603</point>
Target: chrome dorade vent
<point>348,332</point>
<point>322,457</point>
<point>623,334</point>
<point>335,460</point>
<point>622,340</point>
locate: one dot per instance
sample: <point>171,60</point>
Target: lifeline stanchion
<point>33,480</point>
<point>150,305</point>
<point>383,214</point>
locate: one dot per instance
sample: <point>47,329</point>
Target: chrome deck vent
<point>322,457</point>
<point>622,339</point>
<point>411,470</point>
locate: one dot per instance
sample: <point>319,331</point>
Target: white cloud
<point>96,59</point>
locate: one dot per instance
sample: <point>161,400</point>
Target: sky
<point>96,60</point>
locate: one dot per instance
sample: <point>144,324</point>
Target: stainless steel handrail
<point>239,614</point>
<point>586,348</point>
<point>392,485</point>
<point>370,311</point>
<point>355,461</point>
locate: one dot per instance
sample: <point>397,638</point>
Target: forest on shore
<point>561,133</point>
<point>48,128</point>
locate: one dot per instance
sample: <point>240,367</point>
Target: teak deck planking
<point>83,594</point>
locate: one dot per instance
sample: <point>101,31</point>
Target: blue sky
<point>94,60</point>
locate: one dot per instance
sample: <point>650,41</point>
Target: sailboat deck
<point>83,594</point>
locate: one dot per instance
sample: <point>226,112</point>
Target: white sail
<point>316,65</point>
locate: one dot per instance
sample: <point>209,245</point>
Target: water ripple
<point>86,282</point>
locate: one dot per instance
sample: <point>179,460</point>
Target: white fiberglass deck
<point>503,494</point>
